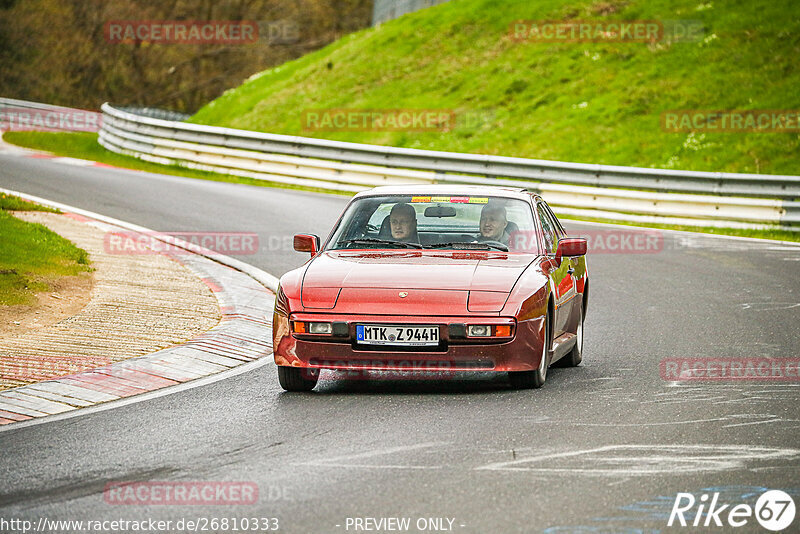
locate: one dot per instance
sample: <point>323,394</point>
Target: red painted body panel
<point>379,301</point>
<point>423,269</point>
<point>442,287</point>
<point>523,305</point>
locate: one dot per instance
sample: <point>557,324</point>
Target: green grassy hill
<point>584,101</point>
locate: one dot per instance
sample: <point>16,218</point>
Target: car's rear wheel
<point>534,379</point>
<point>575,356</point>
<point>297,378</point>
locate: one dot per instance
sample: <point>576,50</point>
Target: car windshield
<point>437,222</point>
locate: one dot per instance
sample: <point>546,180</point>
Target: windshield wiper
<point>372,240</point>
<point>477,245</point>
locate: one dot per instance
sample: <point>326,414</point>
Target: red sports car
<point>430,278</point>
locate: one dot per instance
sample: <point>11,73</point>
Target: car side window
<point>557,227</point>
<point>547,226</point>
<point>560,232</point>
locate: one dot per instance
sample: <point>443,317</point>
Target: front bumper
<point>520,352</point>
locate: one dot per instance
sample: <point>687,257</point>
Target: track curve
<point>585,451</point>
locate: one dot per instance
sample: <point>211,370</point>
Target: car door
<point>563,283</point>
<point>569,304</point>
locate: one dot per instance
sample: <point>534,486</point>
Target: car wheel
<point>534,379</point>
<point>297,378</point>
<point>575,356</point>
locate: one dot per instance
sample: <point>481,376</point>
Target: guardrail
<point>598,191</point>
<point>26,116</point>
<point>13,102</point>
<point>384,10</point>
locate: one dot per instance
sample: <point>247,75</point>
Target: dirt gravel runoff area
<point>131,305</point>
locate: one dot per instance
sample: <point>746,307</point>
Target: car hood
<point>435,270</point>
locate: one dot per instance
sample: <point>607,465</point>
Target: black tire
<point>575,356</point>
<point>534,379</point>
<point>297,378</point>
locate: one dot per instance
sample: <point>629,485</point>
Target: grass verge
<point>12,203</point>
<point>84,146</point>
<point>594,101</point>
<point>32,256</point>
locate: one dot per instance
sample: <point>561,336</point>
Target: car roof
<point>447,189</point>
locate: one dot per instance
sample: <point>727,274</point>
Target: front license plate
<point>407,336</point>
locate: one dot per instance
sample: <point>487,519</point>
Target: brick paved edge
<point>243,335</point>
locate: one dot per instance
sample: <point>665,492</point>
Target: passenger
<point>403,222</point>
<point>494,223</point>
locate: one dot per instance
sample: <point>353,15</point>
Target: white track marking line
<point>73,161</point>
<point>775,420</point>
<point>664,459</point>
<point>337,461</point>
<point>693,421</point>
<point>368,466</point>
<point>142,397</point>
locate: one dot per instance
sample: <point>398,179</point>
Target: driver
<point>493,223</point>
<point>403,222</point>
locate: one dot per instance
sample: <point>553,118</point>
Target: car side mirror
<point>571,246</point>
<point>306,243</point>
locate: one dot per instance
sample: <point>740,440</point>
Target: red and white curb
<point>68,161</point>
<point>14,150</point>
<point>244,335</point>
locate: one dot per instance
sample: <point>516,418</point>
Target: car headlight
<point>479,330</point>
<point>320,328</point>
<point>335,329</point>
<point>487,330</point>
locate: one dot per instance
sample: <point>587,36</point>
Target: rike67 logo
<point>774,510</point>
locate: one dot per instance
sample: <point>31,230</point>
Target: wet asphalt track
<point>601,448</point>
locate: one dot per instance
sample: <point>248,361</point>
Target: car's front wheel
<point>297,378</point>
<point>534,379</point>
